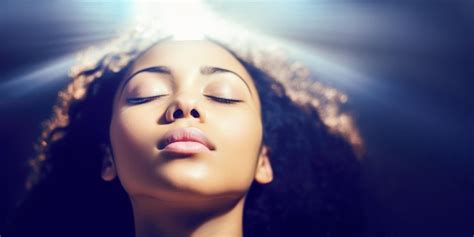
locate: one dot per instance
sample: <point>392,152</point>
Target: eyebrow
<point>204,70</point>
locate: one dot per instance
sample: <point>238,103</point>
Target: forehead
<point>183,55</point>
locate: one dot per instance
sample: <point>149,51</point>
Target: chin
<point>187,175</point>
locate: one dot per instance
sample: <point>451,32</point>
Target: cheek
<point>132,131</point>
<point>239,131</point>
<point>134,145</point>
<point>238,141</point>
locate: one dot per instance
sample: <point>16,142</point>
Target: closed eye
<point>141,100</point>
<point>223,100</point>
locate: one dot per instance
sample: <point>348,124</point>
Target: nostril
<point>194,113</point>
<point>178,114</point>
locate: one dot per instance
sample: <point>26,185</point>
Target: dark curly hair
<point>316,190</point>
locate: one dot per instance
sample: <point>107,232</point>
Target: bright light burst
<point>184,20</point>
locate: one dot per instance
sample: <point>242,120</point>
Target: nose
<point>185,106</point>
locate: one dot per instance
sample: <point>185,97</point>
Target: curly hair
<point>314,150</point>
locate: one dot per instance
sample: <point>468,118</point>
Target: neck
<point>155,217</point>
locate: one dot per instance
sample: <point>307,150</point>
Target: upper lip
<point>185,134</point>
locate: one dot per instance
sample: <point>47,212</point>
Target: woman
<point>211,137</point>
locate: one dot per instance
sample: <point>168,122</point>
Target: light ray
<point>37,79</point>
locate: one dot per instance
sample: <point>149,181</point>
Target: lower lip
<point>185,147</point>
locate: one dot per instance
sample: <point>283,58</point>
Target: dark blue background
<point>407,67</point>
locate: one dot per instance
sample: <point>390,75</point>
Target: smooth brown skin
<point>202,194</point>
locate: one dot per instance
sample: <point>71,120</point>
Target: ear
<point>108,166</point>
<point>264,172</point>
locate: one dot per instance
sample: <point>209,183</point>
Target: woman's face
<point>186,120</point>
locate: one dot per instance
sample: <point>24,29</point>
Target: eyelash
<point>222,100</point>
<point>141,100</point>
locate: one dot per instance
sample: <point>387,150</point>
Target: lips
<point>185,141</point>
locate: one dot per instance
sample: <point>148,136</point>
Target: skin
<point>201,194</point>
